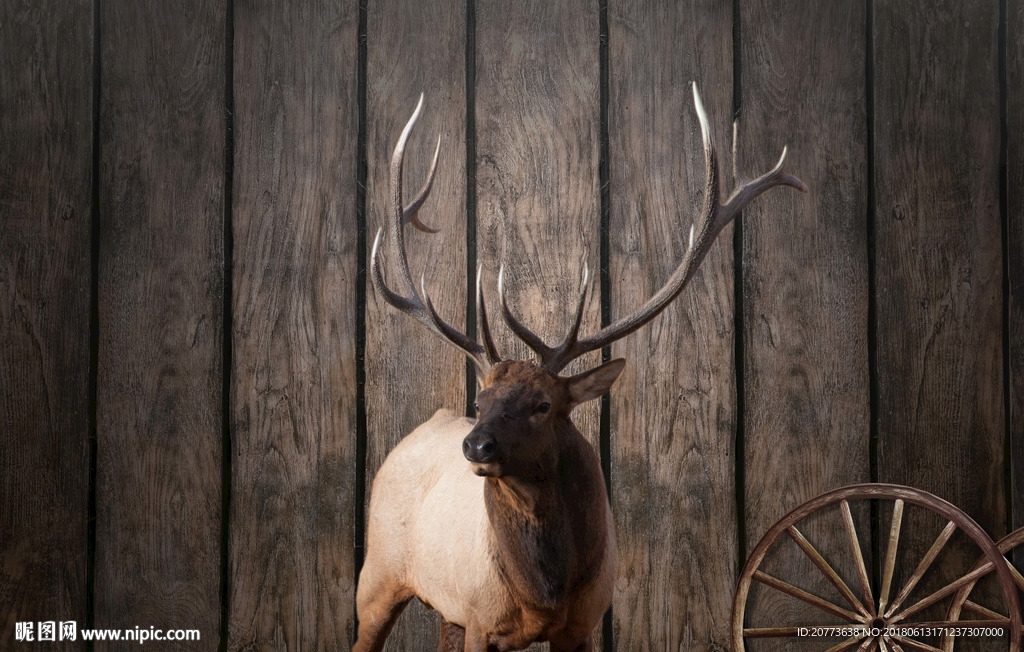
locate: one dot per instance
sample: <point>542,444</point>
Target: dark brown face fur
<point>517,412</point>
<point>520,412</point>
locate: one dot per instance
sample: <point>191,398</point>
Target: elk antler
<point>712,219</point>
<point>410,303</point>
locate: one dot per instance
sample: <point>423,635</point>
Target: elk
<point>502,523</point>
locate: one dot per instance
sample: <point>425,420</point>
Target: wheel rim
<point>961,600</point>
<point>891,606</point>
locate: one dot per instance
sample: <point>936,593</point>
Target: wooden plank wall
<point>46,172</point>
<point>293,372</point>
<point>677,468</point>
<point>160,315</point>
<point>413,48</point>
<point>1013,260</point>
<point>805,279</point>
<point>198,382</point>
<point>939,277</point>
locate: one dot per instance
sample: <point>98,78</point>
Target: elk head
<point>520,410</point>
<point>521,403</point>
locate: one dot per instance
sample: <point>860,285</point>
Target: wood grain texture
<point>938,260</point>
<point>938,254</point>
<point>805,279</point>
<point>160,309</point>
<point>412,48</point>
<point>538,127</point>
<point>1015,253</point>
<point>537,117</point>
<point>45,177</point>
<point>941,359</point>
<point>673,416</point>
<point>293,378</point>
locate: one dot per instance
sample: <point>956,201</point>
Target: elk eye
<point>543,408</point>
<point>476,406</point>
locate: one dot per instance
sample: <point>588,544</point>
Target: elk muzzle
<point>481,448</point>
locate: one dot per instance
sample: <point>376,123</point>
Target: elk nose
<point>479,448</point>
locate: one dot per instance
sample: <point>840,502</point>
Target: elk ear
<point>594,383</point>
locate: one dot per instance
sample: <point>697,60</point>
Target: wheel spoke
<point>917,645</point>
<point>979,610</point>
<point>1015,574</point>
<point>867,644</point>
<point>858,556</point>
<point>1017,577</point>
<point>943,592</point>
<point>809,598</point>
<point>881,644</point>
<point>926,562</point>
<point>890,554</point>
<point>826,569</point>
<point>845,645</point>
<point>895,645</point>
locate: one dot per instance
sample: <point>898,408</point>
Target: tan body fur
<point>429,535</point>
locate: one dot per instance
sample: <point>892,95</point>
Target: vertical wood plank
<point>1014,111</point>
<point>293,388</point>
<point>45,217</point>
<point>805,279</point>
<point>537,116</point>
<point>941,421</point>
<point>412,48</point>
<point>939,254</point>
<point>538,138</point>
<point>160,314</point>
<point>673,416</point>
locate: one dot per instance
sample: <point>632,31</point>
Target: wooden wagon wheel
<point>869,619</point>
<point>961,600</point>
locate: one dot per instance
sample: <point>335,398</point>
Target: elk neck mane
<point>532,519</point>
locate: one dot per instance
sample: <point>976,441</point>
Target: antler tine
<point>410,303</point>
<point>448,332</point>
<point>522,332</point>
<point>397,211</point>
<point>581,304</point>
<point>713,217</point>
<point>744,193</point>
<point>410,213</point>
<point>481,318</point>
<point>392,297</point>
<point>546,353</point>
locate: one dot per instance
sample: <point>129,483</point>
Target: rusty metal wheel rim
<point>867,613</point>
<point>961,599</point>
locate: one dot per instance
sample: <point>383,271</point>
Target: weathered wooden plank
<point>160,313</point>
<point>673,416</point>
<point>293,373</point>
<point>938,254</point>
<point>939,264</point>
<point>538,128</point>
<point>805,284</point>
<point>412,48</point>
<point>537,117</point>
<point>45,177</point>
<point>1015,251</point>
